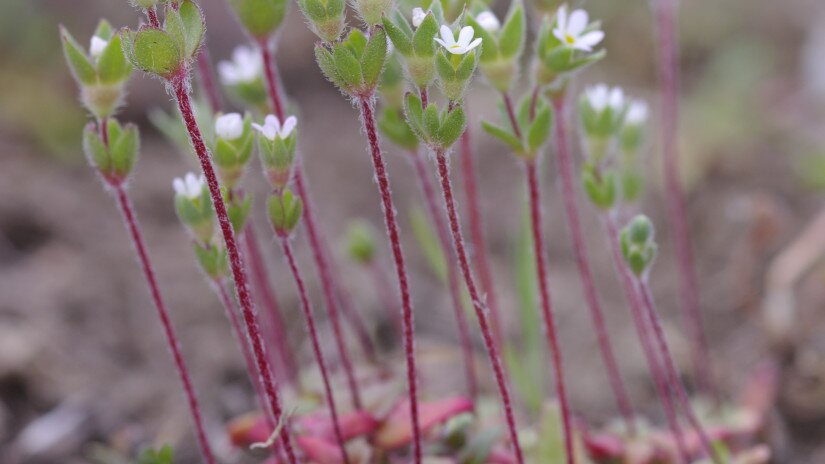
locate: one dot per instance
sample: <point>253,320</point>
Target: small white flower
<point>272,127</point>
<point>465,41</point>
<point>571,30</point>
<point>245,67</point>
<point>229,126</point>
<point>601,97</point>
<point>418,15</point>
<point>636,113</point>
<point>489,21</point>
<point>97,46</point>
<point>190,186</point>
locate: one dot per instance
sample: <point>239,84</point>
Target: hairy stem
<point>665,11</point>
<point>571,208</point>
<point>271,79</point>
<point>316,343</point>
<point>213,94</point>
<point>443,232</point>
<point>670,367</point>
<point>132,225</point>
<point>266,295</point>
<point>534,191</point>
<point>478,303</point>
<point>388,207</point>
<point>181,91</point>
<point>328,288</point>
<point>642,330</point>
<point>477,239</point>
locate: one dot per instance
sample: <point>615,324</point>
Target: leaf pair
<point>326,17</point>
<point>438,129</point>
<point>638,245</point>
<point>535,128</point>
<point>115,157</point>
<point>355,64</point>
<point>285,210</point>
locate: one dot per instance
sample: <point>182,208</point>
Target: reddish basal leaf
<point>354,424</point>
<point>396,431</point>
<point>248,429</point>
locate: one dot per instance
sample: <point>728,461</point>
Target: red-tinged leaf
<point>396,431</point>
<point>354,424</point>
<point>603,447</point>
<point>319,450</point>
<point>248,429</point>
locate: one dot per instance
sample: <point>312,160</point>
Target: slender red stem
<point>316,343</point>
<point>152,14</point>
<point>384,289</point>
<point>665,11</point>
<point>477,239</point>
<point>180,87</point>
<point>213,94</point>
<point>648,347</point>
<point>271,79</point>
<point>266,295</point>
<point>670,367</point>
<point>328,288</point>
<point>478,303</point>
<point>571,208</point>
<point>511,114</point>
<point>380,168</point>
<point>443,232</point>
<point>132,225</point>
<point>231,313</point>
<point>534,191</point>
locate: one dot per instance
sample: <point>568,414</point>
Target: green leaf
<point>467,66</point>
<point>156,52</point>
<point>444,68</point>
<point>452,127</point>
<point>80,65</point>
<point>347,66</point>
<point>356,42</point>
<point>428,243</point>
<point>504,135</point>
<point>375,55</point>
<point>327,65</point>
<point>424,36</point>
<point>399,38</point>
<point>164,456</point>
<point>95,150</point>
<point>104,30</point>
<point>511,40</point>
<point>125,149</point>
<point>432,121</point>
<point>540,129</point>
<point>414,113</point>
<point>112,66</point>
<point>394,127</point>
<point>313,10</point>
<point>173,25</point>
<point>489,47</point>
<point>335,8</point>
<point>285,211</point>
<point>193,26</point>
<point>261,18</point>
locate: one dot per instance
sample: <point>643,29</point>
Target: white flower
<point>272,127</point>
<point>190,186</point>
<point>465,41</point>
<point>601,97</point>
<point>636,113</point>
<point>489,21</point>
<point>229,126</point>
<point>571,30</point>
<point>245,67</point>
<point>97,46</point>
<point>418,15</point>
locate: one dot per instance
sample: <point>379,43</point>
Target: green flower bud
<point>638,245</point>
<point>102,72</point>
<point>325,17</point>
<point>212,260</point>
<point>372,11</point>
<point>438,129</point>
<point>602,111</point>
<point>415,45</point>
<point>633,131</point>
<point>285,210</point>
<point>260,18</point>
<point>501,46</point>
<point>601,187</point>
<point>361,242</point>
<point>194,206</point>
<point>355,64</point>
<point>243,77</point>
<point>276,147</point>
<point>233,147</point>
<point>456,62</point>
<point>113,156</point>
<point>238,208</point>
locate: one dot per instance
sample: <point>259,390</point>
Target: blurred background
<point>83,365</point>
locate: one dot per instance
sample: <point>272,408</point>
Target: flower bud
<point>276,147</point>
<point>260,18</point>
<point>415,44</point>
<point>638,245</point>
<point>361,242</point>
<point>418,15</point>
<point>601,186</point>
<point>233,147</point>
<point>113,156</point>
<point>212,260</point>
<point>243,76</point>
<point>501,47</point>
<point>238,208</point>
<point>285,210</point>
<point>194,206</point>
<point>355,64</point>
<point>372,11</point>
<point>632,132</point>
<point>326,17</point>
<point>438,129</point>
<point>456,62</point>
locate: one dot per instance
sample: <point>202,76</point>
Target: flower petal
<point>179,186</point>
<point>561,18</point>
<point>578,22</point>
<point>560,35</point>
<point>591,38</point>
<point>447,35</point>
<point>466,35</point>
<point>288,126</point>
<point>475,43</point>
<point>442,43</point>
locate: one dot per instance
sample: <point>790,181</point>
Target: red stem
<point>152,14</point>
<point>452,273</point>
<point>640,321</point>
<point>665,11</point>
<point>262,288</point>
<point>231,313</point>
<point>384,289</point>
<point>129,217</point>
<point>670,367</point>
<point>478,304</point>
<point>271,80</point>
<point>565,166</point>
<point>328,288</point>
<point>213,94</point>
<point>179,84</point>
<point>380,168</point>
<point>316,344</point>
<point>477,239</point>
<point>511,114</point>
<point>546,306</point>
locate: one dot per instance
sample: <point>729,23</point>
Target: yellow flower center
<point>569,39</point>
